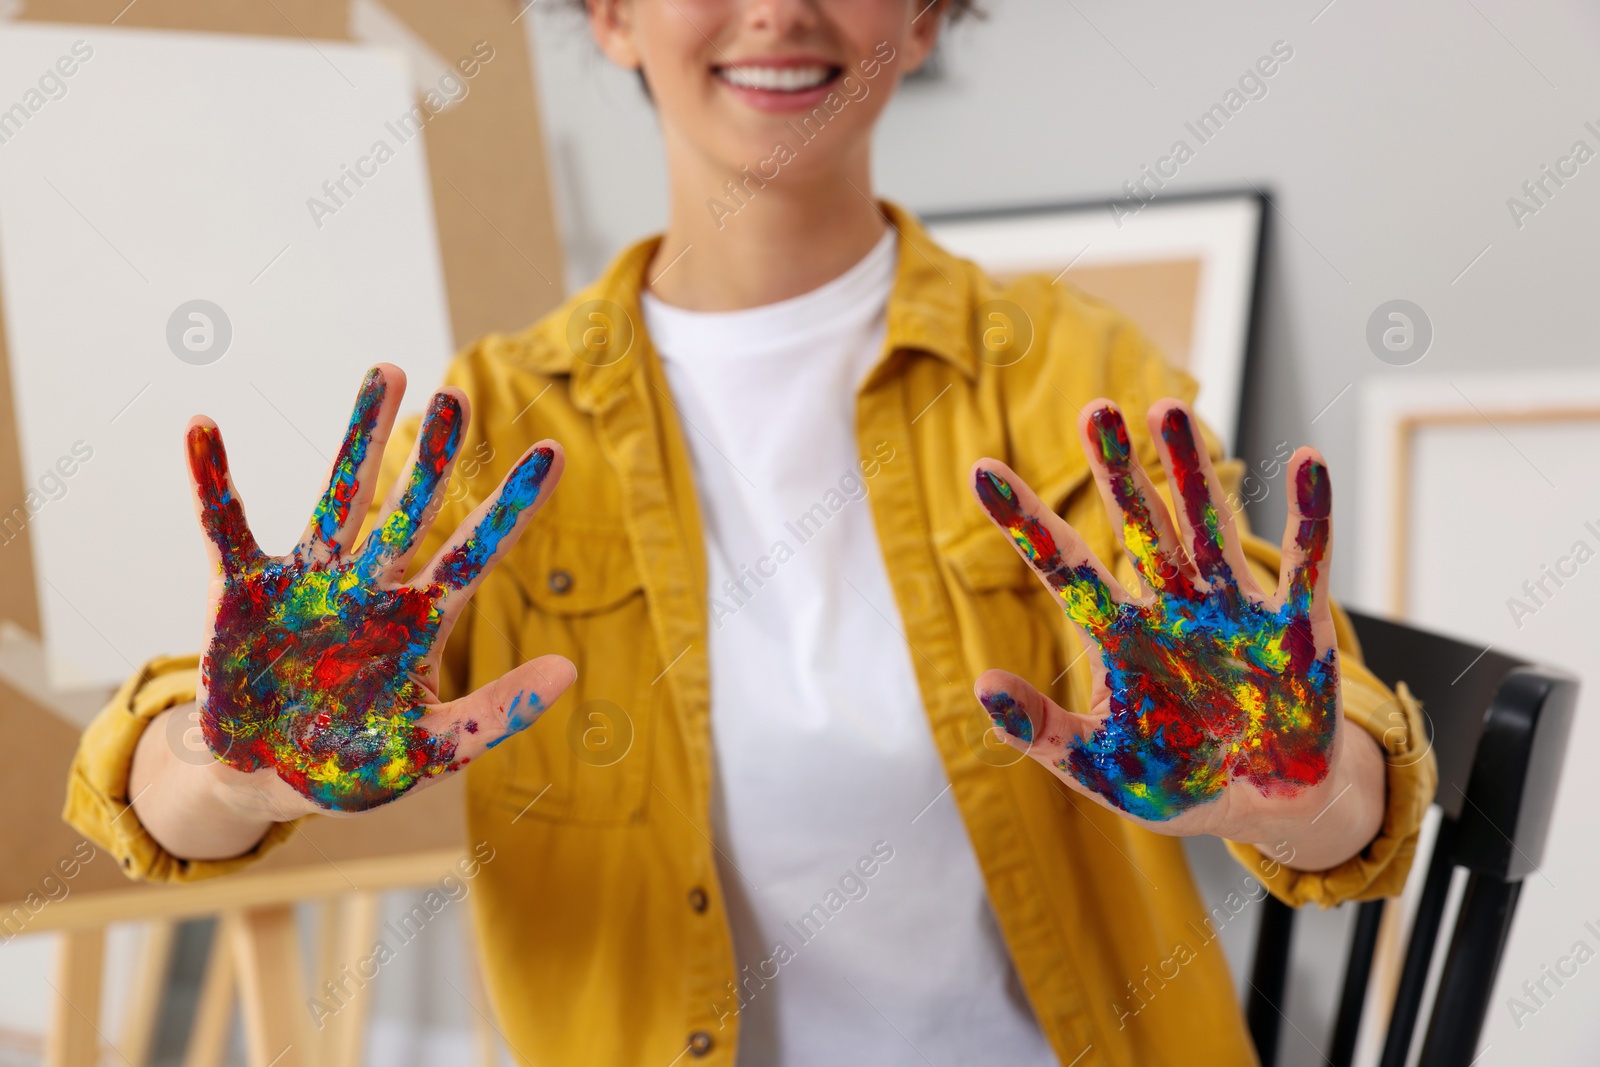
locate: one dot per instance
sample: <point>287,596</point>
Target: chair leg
<point>1269,976</point>
<point>74,1039</point>
<point>1419,950</point>
<point>1467,981</point>
<point>1358,969</point>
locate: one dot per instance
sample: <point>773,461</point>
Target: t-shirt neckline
<point>862,291</point>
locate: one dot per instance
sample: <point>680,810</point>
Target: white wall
<point>1392,141</point>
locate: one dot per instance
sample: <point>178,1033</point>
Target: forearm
<point>182,803</point>
<point>1347,819</point>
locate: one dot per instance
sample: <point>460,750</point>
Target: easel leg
<point>149,983</point>
<point>213,1016</point>
<point>346,942</point>
<point>483,1032</point>
<point>74,1039</point>
<point>272,988</point>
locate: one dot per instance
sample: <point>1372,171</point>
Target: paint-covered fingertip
<point>526,480</point>
<point>1008,716</point>
<point>1313,492</point>
<point>375,377</point>
<point>208,460</point>
<point>390,371</point>
<point>994,492</point>
<point>538,465</point>
<point>1178,432</point>
<point>442,429</point>
<point>1108,435</point>
<point>444,404</point>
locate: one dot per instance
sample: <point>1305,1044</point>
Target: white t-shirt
<point>861,924</point>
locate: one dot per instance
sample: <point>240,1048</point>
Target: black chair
<point>1499,730</point>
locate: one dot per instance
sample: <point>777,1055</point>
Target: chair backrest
<point>1498,728</point>
<point>1455,682</point>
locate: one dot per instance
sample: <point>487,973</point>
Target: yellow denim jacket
<point>603,930</point>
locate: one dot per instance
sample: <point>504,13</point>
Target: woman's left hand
<point>1216,706</point>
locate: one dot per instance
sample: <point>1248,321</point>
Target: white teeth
<point>776,79</point>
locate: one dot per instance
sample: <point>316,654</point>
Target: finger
<point>409,510</point>
<point>1207,523</point>
<point>216,502</point>
<point>503,708</point>
<point>1034,724</point>
<point>495,526</point>
<point>1146,530</point>
<point>1303,573</point>
<point>1028,719</point>
<point>351,482</point>
<point>1057,554</point>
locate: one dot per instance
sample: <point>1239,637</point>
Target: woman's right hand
<point>318,683</point>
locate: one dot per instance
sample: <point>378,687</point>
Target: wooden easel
<point>256,959</point>
<point>255,962</point>
<point>502,266</point>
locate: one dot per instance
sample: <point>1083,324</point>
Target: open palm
<point>1203,682</point>
<point>320,666</point>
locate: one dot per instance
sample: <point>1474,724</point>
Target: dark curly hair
<point>953,9</point>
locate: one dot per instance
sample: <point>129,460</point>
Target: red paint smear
<point>221,514</point>
<point>1194,491</point>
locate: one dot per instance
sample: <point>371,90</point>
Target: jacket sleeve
<point>1393,718</point>
<point>98,804</point>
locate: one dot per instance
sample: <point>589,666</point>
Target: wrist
<point>1341,817</point>
<point>194,806</point>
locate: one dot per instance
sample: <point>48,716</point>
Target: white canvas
<point>177,167</point>
<point>1493,503</point>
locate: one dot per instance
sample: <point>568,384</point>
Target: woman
<point>769,820</point>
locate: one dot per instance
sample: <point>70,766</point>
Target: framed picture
<point>1185,268</point>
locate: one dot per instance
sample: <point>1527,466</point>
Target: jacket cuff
<point>1380,869</point>
<point>98,805</point>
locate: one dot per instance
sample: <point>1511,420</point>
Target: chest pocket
<point>981,557</point>
<point>588,759</point>
<point>1008,618</point>
<point>982,560</point>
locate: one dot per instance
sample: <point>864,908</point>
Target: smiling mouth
<point>778,79</point>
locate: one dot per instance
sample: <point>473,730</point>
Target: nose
<point>780,17</point>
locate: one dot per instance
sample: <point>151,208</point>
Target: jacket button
<point>698,899</point>
<point>700,1043</point>
<point>560,581</point>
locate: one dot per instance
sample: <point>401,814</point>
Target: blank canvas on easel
<point>179,167</point>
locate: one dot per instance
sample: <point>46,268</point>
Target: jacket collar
<point>930,308</point>
<point>598,336</point>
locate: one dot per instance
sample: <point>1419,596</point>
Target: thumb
<point>504,707</point>
<point>1029,720</point>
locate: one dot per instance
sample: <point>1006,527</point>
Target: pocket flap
<point>983,559</point>
<point>571,569</point>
